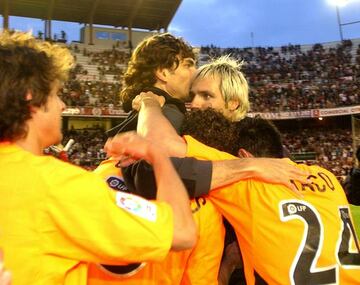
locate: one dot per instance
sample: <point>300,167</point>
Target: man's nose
<point>195,103</point>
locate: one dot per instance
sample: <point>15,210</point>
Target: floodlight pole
<point>6,15</point>
<point>339,22</point>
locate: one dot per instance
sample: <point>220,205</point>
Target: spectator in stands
<point>333,148</point>
<point>352,182</point>
<point>57,218</point>
<point>63,35</point>
<point>283,81</point>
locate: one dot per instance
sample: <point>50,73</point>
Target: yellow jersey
<point>197,266</point>
<point>56,218</point>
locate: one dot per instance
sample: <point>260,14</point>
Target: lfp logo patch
<point>136,206</point>
<point>117,183</point>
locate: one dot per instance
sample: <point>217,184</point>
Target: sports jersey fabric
<point>197,266</point>
<point>56,217</point>
<point>284,239</point>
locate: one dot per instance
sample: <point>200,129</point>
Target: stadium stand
<point>298,77</point>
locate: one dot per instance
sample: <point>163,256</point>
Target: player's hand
<point>279,171</point>
<point>130,147</point>
<point>143,96</point>
<point>5,276</point>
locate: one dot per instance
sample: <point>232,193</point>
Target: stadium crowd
<point>91,93</point>
<point>284,79</point>
<point>87,151</point>
<point>289,78</point>
<point>333,149</point>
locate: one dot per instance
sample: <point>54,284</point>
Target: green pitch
<point>355,211</point>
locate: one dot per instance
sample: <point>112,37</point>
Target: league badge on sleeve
<point>117,183</point>
<point>136,206</point>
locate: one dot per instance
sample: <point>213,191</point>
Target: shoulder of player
<point>57,173</point>
<point>316,169</point>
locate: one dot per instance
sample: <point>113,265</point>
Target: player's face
<point>206,94</point>
<point>49,121</point>
<point>179,80</point>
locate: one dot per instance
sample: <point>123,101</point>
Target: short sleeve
<point>89,221</point>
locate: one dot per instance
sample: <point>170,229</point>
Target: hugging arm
<point>153,125</point>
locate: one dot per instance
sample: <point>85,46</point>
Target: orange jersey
<point>56,218</point>
<point>197,266</point>
<point>202,265</point>
<point>284,239</point>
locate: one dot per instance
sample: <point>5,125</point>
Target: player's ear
<point>162,74</point>
<point>29,97</point>
<point>233,105</point>
<point>242,153</point>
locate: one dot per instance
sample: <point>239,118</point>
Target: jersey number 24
<point>303,269</point>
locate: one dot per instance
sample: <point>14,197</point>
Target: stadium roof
<point>142,14</point>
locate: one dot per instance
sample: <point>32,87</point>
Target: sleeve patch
<point>136,206</point>
<point>117,183</point>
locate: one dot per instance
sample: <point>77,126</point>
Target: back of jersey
<point>290,240</point>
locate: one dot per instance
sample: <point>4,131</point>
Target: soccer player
<point>321,244</point>
<point>165,65</point>
<point>56,218</point>
<point>221,85</point>
<point>199,265</point>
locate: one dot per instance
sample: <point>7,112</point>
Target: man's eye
<point>206,96</point>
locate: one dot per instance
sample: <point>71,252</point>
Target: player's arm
<point>195,174</point>
<point>169,186</point>
<point>153,125</point>
<point>269,170</point>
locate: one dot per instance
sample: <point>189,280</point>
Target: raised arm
<point>153,125</point>
<point>169,186</point>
